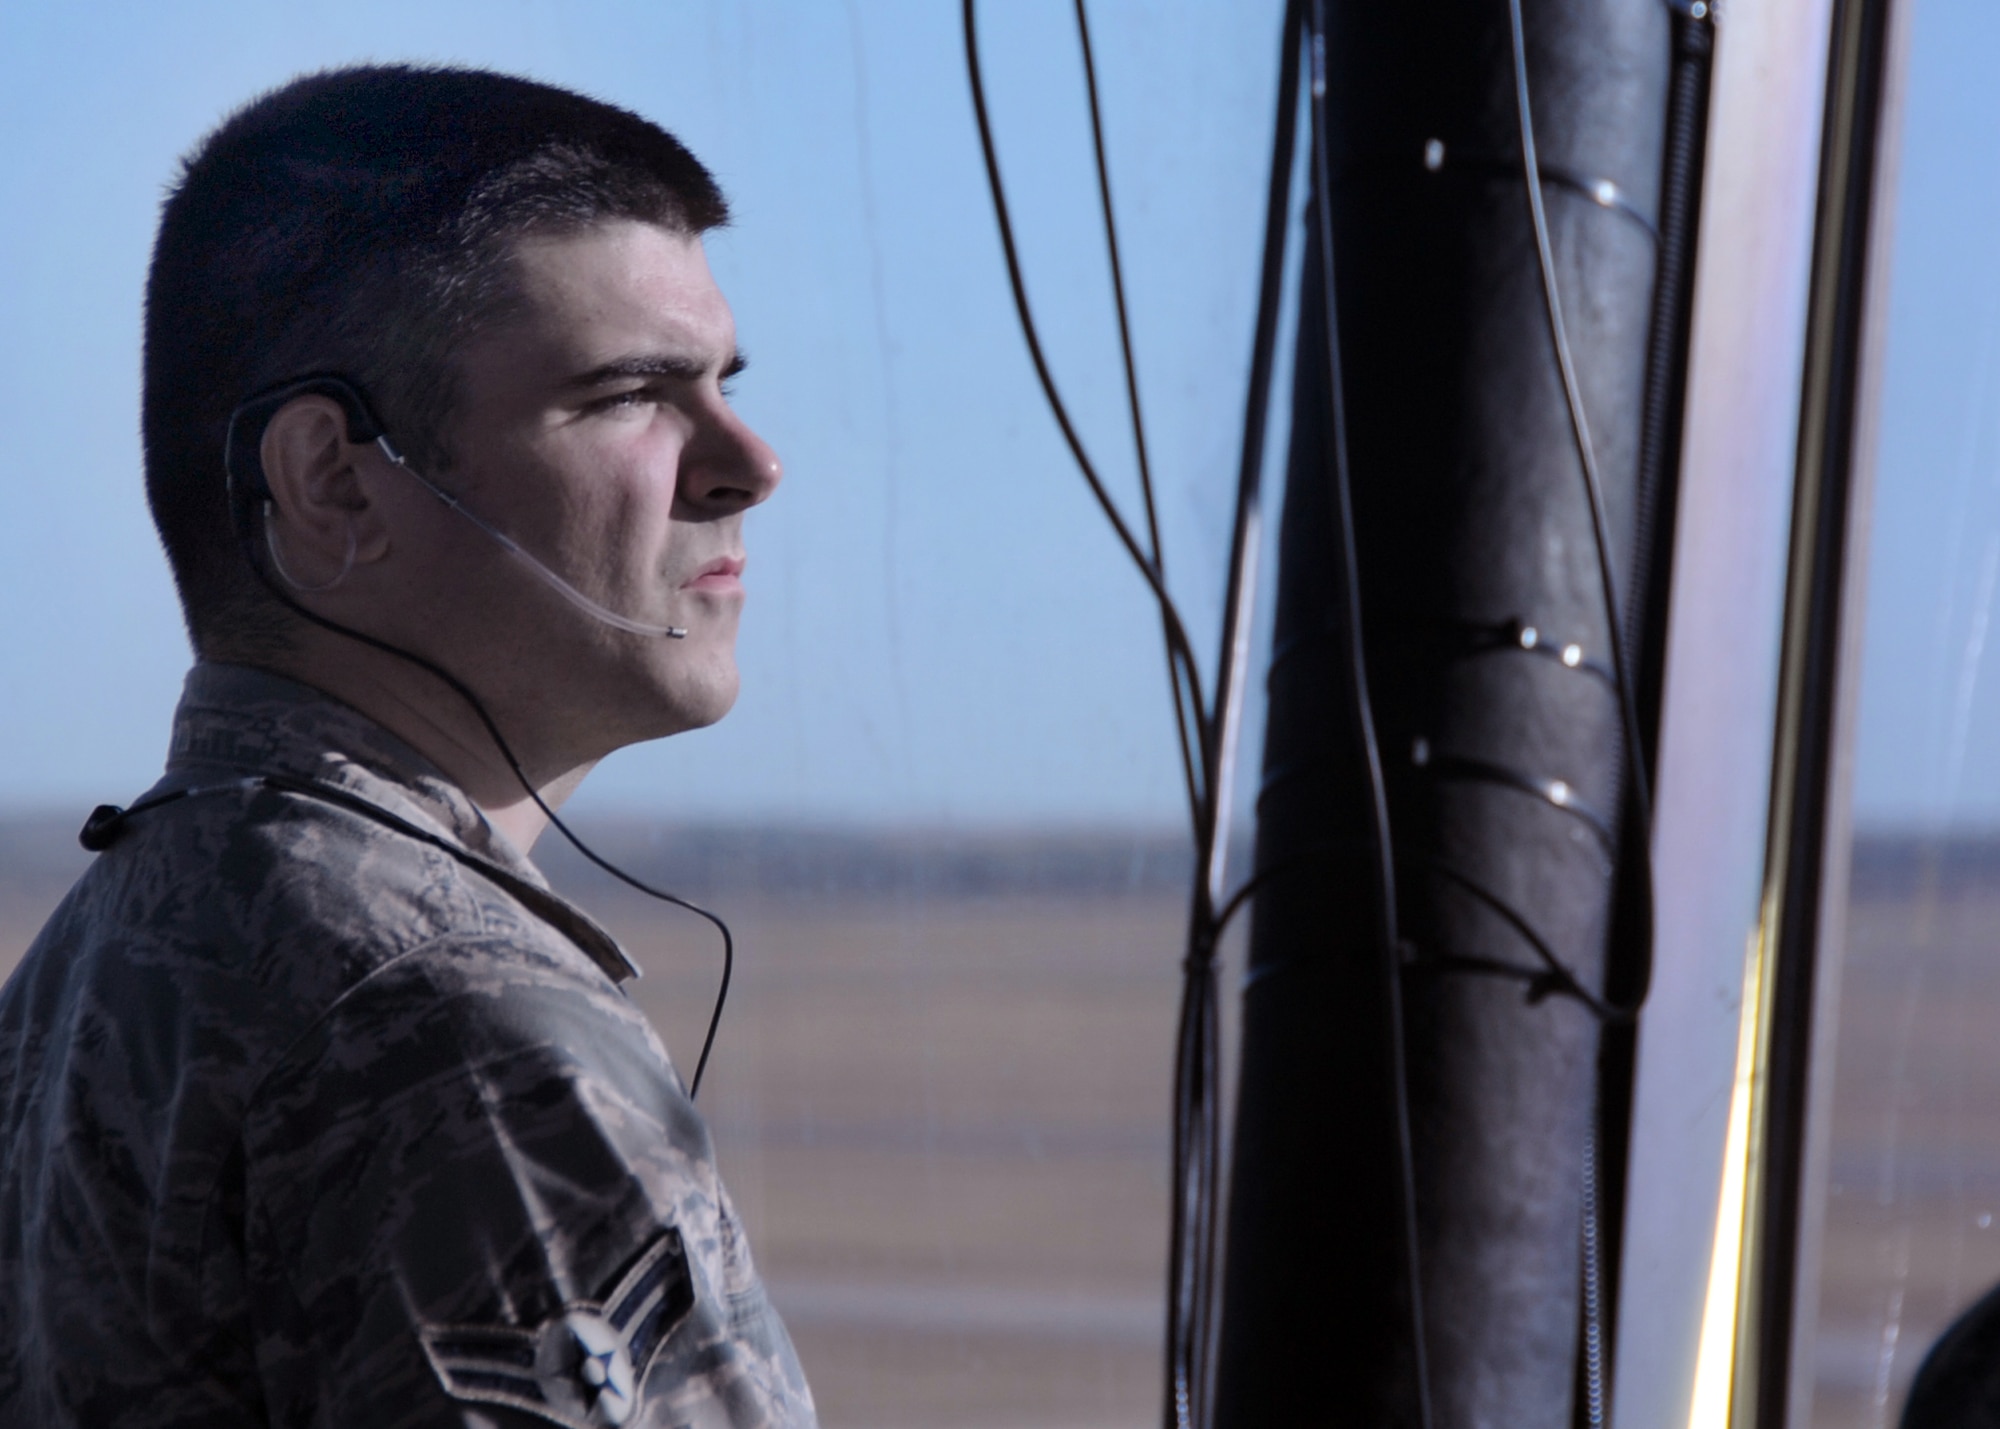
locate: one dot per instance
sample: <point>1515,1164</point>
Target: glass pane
<point>946,819</point>
<point>1914,1182</point>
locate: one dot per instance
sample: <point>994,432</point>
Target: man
<point>318,1107</point>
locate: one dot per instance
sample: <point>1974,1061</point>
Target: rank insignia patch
<point>584,1368</point>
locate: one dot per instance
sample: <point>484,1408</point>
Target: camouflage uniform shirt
<point>309,1119</point>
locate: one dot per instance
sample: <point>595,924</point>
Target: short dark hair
<point>361,221</point>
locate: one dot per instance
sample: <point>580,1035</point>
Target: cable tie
<point>1604,192</point>
<point>1518,634</point>
<point>1557,793</point>
<point>1571,653</point>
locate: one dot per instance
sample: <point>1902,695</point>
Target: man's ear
<point>321,512</point>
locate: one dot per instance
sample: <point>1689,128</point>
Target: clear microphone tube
<point>548,577</point>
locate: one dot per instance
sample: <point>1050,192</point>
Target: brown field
<point>940,1101</point>
<point>946,1125</point>
<point>1913,1192</point>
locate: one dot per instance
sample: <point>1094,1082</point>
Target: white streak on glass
<point>1970,662</point>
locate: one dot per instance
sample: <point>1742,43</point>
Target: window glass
<point>1912,1192</point>
<point>945,820</point>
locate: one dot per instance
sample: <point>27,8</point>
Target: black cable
<point>1641,804</point>
<point>459,688</point>
<point>1194,1150</point>
<point>1659,451</point>
<point>1389,936</point>
<point>1195,1224</point>
<point>1196,1154</point>
<point>1131,366</point>
<point>1195,1072</point>
<point>1196,1125</point>
<point>1146,491</point>
<point>1555,979</point>
<point>1179,647</point>
<point>1600,521</point>
<point>1118,285</point>
<point>1197,1109</point>
<point>1556,793</point>
<point>1195,1215</point>
<point>1594,1377</point>
<point>1197,1081</point>
<point>1666,350</point>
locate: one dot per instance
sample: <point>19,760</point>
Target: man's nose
<point>728,467</point>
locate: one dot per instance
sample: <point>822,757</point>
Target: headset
<point>250,497</point>
<point>250,491</point>
<point>243,464</point>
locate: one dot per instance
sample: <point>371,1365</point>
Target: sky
<point>941,629</point>
<point>1929,741</point>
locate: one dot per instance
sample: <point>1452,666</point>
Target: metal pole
<point>1492,688</point>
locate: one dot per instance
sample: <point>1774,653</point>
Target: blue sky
<point>940,626</point>
<point>941,629</point>
<point>1929,750</point>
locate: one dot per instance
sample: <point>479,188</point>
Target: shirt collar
<point>243,720</point>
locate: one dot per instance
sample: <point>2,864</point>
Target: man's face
<point>592,428</point>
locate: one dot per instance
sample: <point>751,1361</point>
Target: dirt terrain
<point>1913,1189</point>
<point>940,1095</point>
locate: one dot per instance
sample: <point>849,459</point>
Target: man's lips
<point>722,574</point>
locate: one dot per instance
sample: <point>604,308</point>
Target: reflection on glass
<point>1910,1246</point>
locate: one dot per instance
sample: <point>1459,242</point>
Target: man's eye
<point>622,401</point>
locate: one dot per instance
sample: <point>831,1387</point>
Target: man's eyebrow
<point>681,369</point>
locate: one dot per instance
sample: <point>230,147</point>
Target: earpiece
<point>242,461</point>
<point>249,489</point>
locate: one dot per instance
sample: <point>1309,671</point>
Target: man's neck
<point>438,723</point>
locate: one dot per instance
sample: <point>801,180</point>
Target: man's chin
<point>697,704</point>
<point>655,703</point>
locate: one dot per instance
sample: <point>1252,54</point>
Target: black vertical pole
<point>1497,721</point>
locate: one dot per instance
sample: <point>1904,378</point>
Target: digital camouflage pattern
<point>307,1122</point>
